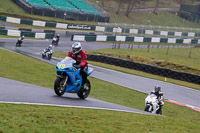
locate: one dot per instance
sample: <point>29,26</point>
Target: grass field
<point>23,118</point>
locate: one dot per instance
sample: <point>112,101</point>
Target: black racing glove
<point>77,66</point>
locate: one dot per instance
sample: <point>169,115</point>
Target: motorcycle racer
<point>157,91</point>
<point>81,59</point>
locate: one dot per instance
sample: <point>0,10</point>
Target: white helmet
<point>157,88</point>
<point>50,46</point>
<point>76,47</point>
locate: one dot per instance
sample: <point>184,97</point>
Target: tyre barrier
<point>188,77</point>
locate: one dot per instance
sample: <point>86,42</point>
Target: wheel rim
<point>86,90</point>
<point>60,87</point>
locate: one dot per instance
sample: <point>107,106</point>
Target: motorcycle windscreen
<point>68,60</point>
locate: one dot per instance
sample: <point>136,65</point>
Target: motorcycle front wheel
<point>43,56</point>
<point>84,91</point>
<point>49,56</point>
<point>58,86</point>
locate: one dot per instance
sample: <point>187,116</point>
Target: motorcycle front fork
<point>65,83</point>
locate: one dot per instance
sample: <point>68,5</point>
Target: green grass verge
<point>131,71</point>
<point>147,4</point>
<point>30,118</point>
<point>161,19</point>
<point>23,118</point>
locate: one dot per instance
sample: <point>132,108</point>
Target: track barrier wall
<point>19,33</point>
<point>91,38</point>
<point>188,77</point>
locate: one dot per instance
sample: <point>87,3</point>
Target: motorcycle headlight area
<point>62,66</point>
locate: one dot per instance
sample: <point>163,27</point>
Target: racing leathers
<point>81,61</point>
<point>159,95</point>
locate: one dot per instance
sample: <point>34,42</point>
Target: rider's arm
<point>70,54</point>
<point>84,59</point>
<point>152,92</point>
<point>161,96</point>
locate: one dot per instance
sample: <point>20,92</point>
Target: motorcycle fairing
<point>73,75</point>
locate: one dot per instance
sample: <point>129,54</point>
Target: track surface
<point>173,92</point>
<point>19,92</point>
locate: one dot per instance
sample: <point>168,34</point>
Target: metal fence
<point>124,25</point>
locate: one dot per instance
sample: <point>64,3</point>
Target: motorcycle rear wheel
<point>84,92</point>
<point>43,56</point>
<point>17,44</point>
<point>58,86</point>
<point>159,111</point>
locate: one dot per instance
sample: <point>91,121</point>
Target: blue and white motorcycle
<point>47,53</point>
<point>69,79</point>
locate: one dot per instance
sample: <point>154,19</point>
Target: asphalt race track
<point>18,92</point>
<point>33,48</point>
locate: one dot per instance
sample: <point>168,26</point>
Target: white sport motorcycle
<point>151,104</point>
<point>55,41</point>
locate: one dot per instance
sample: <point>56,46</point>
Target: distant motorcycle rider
<point>157,91</point>
<point>56,40</point>
<point>81,59</point>
<point>19,41</point>
<point>58,37</point>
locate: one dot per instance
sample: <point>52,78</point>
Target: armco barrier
<point>100,28</point>
<point>192,78</point>
<point>47,24</point>
<point>26,34</point>
<point>104,38</point>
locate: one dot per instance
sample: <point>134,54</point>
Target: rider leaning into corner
<point>58,37</point>
<point>157,91</point>
<point>81,59</point>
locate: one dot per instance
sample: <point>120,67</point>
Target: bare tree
<point>119,6</point>
<point>156,7</point>
<point>130,5</point>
